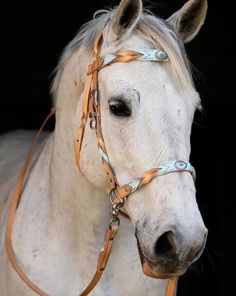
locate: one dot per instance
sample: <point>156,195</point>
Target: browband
<point>155,55</point>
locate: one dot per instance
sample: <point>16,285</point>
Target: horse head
<point>147,110</point>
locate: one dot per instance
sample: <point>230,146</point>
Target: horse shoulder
<point>13,149</point>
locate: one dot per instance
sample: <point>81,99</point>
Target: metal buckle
<point>115,211</point>
<point>93,114</point>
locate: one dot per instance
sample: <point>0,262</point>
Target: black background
<point>33,35</point>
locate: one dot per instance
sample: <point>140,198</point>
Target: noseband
<point>118,194</point>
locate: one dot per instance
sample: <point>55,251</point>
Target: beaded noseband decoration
<point>118,194</point>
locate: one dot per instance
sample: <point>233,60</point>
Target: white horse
<point>147,110</point>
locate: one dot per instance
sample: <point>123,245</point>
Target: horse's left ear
<point>188,20</point>
<point>126,17</point>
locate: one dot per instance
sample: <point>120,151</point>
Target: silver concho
<point>93,124</point>
<point>161,55</point>
<point>180,165</point>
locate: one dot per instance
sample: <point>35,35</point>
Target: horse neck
<point>74,200</point>
<point>79,209</point>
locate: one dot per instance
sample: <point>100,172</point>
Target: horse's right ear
<point>126,17</point>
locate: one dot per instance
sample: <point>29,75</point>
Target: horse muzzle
<point>170,257</point>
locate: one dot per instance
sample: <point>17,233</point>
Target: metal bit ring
<point>112,195</point>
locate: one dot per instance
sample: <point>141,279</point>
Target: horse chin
<point>157,269</point>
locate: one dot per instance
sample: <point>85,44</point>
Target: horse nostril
<point>165,245</point>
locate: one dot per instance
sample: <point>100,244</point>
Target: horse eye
<point>119,108</point>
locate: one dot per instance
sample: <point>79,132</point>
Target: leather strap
<point>102,259</point>
<point>12,212</point>
<point>108,240</point>
<point>171,283</point>
<point>171,286</point>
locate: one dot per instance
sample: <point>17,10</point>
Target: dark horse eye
<point>119,108</point>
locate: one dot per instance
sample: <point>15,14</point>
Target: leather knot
<point>121,193</point>
<point>95,66</point>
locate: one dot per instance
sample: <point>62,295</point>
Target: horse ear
<point>126,17</point>
<point>188,20</point>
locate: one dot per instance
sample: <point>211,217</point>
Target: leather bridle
<point>118,194</point>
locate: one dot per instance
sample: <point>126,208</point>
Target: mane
<point>155,30</point>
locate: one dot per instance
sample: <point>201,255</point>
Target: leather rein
<point>118,194</point>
